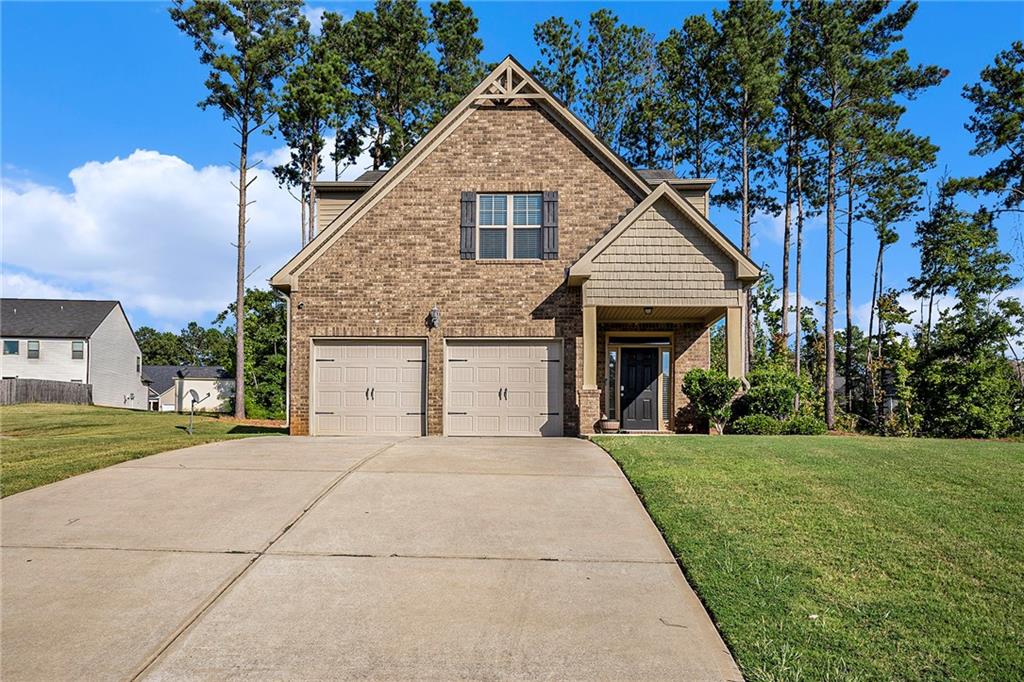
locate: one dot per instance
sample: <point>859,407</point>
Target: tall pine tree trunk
<point>830,288</point>
<point>302,202</point>
<point>243,187</point>
<point>786,236</point>
<point>745,224</point>
<point>848,360</point>
<point>797,326</point>
<point>313,171</point>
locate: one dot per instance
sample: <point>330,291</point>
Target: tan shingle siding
<point>663,259</point>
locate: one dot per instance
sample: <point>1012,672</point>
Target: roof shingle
<point>52,318</point>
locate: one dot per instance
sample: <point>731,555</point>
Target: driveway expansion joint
<point>470,557</point>
<point>208,604</point>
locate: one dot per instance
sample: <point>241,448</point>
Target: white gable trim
<point>746,269</point>
<point>508,81</point>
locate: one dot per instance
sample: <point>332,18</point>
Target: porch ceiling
<point>659,314</point>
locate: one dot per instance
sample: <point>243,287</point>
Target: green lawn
<point>832,558</point>
<point>40,444</point>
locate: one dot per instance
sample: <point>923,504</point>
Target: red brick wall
<point>400,259</point>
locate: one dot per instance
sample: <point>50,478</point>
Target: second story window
<point>10,347</point>
<point>33,350</point>
<point>77,350</point>
<point>506,233</point>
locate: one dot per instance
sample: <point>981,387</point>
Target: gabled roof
<point>52,318</point>
<point>162,377</point>
<point>746,269</point>
<point>509,81</point>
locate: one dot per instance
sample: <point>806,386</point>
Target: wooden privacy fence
<point>14,391</point>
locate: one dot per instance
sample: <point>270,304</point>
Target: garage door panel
<point>369,387</point>
<point>505,387</point>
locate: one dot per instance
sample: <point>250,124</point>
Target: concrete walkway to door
<point>298,558</point>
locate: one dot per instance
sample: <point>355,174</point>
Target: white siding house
<point>88,342</point>
<point>170,388</point>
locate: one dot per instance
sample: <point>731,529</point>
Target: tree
<point>642,135</point>
<point>998,127</point>
<point>751,52</point>
<point>688,59</point>
<point>614,52</point>
<point>266,362</point>
<point>392,75</point>
<point>964,383</point>
<point>711,393</point>
<point>851,45</point>
<point>561,54</point>
<point>454,26</point>
<point>314,92</point>
<point>247,44</point>
<point>159,348</point>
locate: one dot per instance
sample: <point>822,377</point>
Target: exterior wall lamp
<point>434,319</point>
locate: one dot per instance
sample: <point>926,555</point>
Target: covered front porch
<point>651,289</point>
<point>634,360</point>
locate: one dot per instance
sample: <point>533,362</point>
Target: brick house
<point>510,275</point>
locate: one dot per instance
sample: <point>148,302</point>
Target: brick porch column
<point>590,394</point>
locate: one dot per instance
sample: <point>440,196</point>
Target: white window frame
<point>73,351</point>
<point>509,225</point>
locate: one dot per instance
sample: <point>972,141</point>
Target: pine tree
<point>613,53</point>
<point>314,92</point>
<point>561,56</point>
<point>453,27</point>
<point>248,44</point>
<point>393,77</point>
<point>752,47</point>
<point>688,59</point>
<point>851,45</point>
<point>998,127</point>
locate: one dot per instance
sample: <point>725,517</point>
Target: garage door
<point>368,387</point>
<point>504,388</point>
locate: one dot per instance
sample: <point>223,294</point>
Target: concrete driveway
<point>295,558</point>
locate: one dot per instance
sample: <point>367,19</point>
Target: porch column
<point>589,347</point>
<point>734,342</point>
<point>590,393</point>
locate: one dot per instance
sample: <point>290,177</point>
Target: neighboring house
<point>510,275</point>
<point>88,342</point>
<point>170,387</point>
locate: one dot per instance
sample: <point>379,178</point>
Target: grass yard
<point>40,444</point>
<point>829,558</point>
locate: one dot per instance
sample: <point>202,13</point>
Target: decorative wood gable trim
<point>746,269</point>
<point>509,81</point>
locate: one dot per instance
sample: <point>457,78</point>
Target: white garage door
<point>368,387</point>
<point>504,388</point>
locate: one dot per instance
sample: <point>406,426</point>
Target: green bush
<point>711,393</point>
<point>804,425</point>
<point>773,390</point>
<point>756,425</point>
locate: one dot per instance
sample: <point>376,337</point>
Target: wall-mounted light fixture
<point>648,310</point>
<point>434,321</point>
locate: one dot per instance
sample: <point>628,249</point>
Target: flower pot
<point>609,425</point>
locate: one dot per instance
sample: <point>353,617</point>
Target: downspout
<point>287,357</point>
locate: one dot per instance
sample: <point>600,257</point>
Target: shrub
<point>773,390</point>
<point>756,425</point>
<point>711,393</point>
<point>804,425</point>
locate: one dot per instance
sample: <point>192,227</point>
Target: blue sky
<point>86,86</point>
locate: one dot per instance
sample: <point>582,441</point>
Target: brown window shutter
<point>549,226</point>
<point>467,230</point>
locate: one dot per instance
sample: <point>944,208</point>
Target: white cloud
<point>315,17</point>
<point>149,229</point>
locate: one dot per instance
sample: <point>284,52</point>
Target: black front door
<point>638,395</point>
